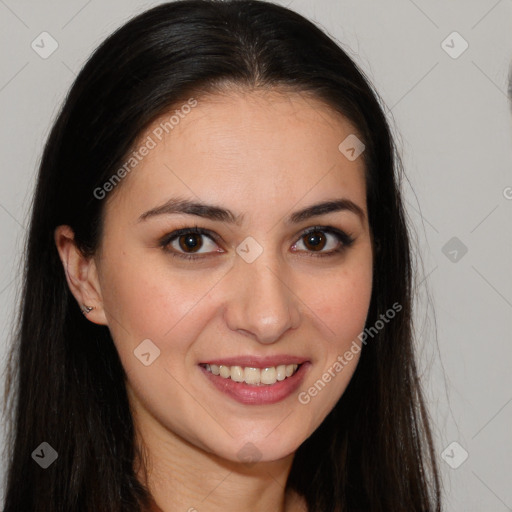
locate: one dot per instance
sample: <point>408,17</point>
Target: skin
<point>263,155</point>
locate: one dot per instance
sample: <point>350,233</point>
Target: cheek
<point>348,307</point>
<point>341,302</point>
<point>143,300</point>
<point>341,310</point>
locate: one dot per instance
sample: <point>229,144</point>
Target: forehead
<point>264,147</point>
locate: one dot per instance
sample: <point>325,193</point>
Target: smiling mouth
<point>253,376</point>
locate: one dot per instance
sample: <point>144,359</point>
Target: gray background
<point>454,126</point>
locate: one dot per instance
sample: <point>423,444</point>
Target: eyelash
<point>345,239</point>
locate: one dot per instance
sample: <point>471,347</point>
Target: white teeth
<point>254,376</point>
<point>268,376</point>
<point>281,372</point>
<point>237,373</point>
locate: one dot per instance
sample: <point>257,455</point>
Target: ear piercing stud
<point>87,309</point>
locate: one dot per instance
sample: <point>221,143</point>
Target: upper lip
<point>257,362</point>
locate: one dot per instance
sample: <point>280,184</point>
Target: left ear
<point>81,275</point>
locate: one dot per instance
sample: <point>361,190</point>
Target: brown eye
<point>323,241</point>
<point>190,242</point>
<point>315,240</point>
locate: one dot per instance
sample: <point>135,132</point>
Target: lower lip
<point>258,395</point>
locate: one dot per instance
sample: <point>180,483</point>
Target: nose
<point>262,305</point>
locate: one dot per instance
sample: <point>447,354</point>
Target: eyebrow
<point>216,213</point>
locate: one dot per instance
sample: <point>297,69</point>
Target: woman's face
<point>256,291</point>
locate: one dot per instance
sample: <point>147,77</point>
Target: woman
<point>217,300</point>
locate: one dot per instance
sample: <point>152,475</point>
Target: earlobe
<point>81,275</point>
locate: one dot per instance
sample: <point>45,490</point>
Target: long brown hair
<point>374,451</point>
